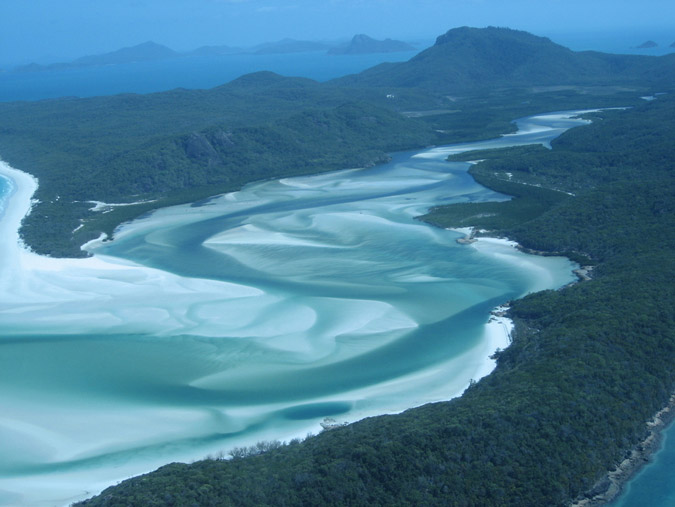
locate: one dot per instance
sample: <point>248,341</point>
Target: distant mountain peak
<point>361,38</point>
<point>144,51</point>
<point>466,59</point>
<point>464,33</point>
<point>648,45</point>
<point>362,44</point>
<point>147,45</point>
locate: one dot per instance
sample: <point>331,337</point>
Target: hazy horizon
<point>45,31</point>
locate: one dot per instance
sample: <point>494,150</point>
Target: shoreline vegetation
<point>611,486</point>
<point>573,323</point>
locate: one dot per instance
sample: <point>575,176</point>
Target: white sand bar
<point>202,328</point>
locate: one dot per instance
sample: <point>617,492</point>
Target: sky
<point>58,30</point>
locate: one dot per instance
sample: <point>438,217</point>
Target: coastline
<point>496,331</point>
<point>496,334</point>
<point>30,277</point>
<point>17,256</point>
<point>611,485</point>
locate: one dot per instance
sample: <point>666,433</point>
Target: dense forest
<point>183,146</point>
<point>588,366</point>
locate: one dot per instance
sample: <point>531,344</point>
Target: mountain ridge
<point>363,44</point>
<point>144,52</point>
<point>149,51</point>
<point>472,58</point>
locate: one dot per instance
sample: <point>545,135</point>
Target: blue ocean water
<point>654,485</point>
<point>625,41</point>
<point>192,73</point>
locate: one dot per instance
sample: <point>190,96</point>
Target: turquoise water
<point>251,316</point>
<point>5,189</point>
<point>654,485</point>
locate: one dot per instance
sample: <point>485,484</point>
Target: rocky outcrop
<point>609,487</point>
<point>362,44</point>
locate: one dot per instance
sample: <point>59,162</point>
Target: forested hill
<point>482,58</point>
<point>589,364</point>
<point>184,145</point>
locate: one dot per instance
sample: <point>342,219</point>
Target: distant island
<point>145,52</point>
<point>648,45</point>
<point>362,44</point>
<point>152,51</point>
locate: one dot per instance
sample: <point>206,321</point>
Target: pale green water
<point>252,316</point>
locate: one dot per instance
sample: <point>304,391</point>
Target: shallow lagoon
<point>251,316</point>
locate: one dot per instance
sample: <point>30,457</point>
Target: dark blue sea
<point>187,72</point>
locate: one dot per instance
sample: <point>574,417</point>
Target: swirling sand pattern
<point>251,316</point>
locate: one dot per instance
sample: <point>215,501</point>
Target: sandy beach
<point>81,290</point>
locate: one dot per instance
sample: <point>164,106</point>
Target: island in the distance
<point>152,51</point>
<point>145,52</point>
<point>362,44</point>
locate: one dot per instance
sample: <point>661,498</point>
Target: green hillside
<point>466,59</point>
